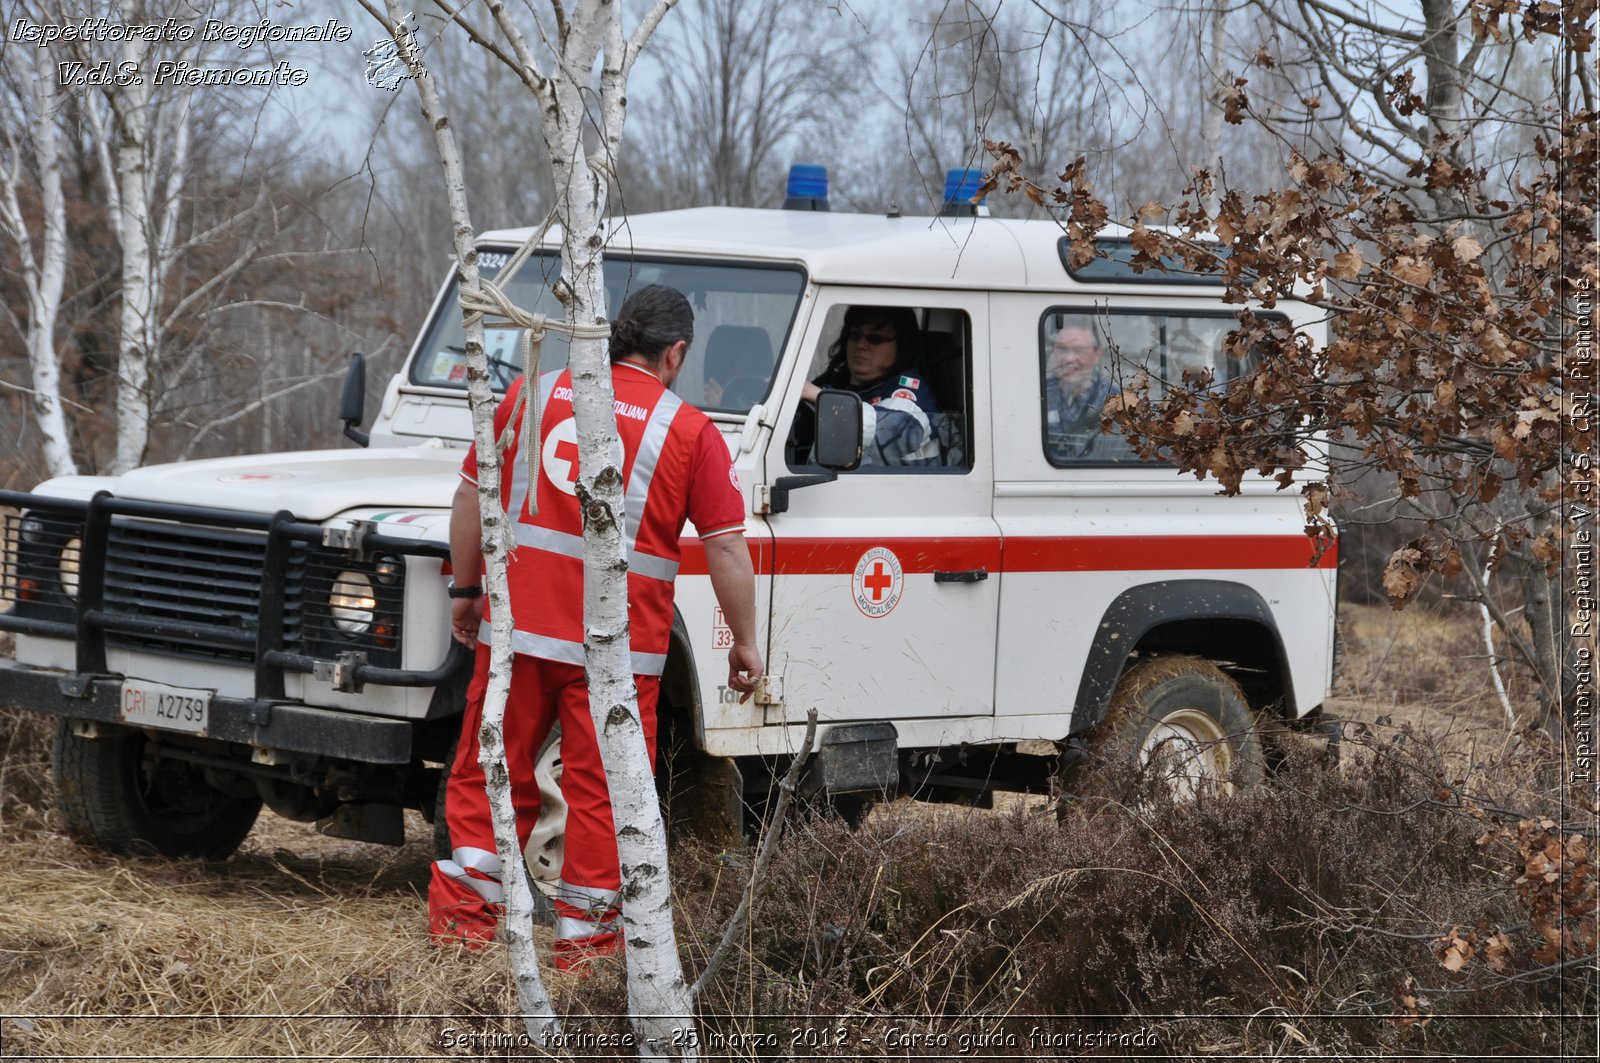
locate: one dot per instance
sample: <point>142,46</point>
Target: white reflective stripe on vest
<point>566,652</point>
<point>489,891</point>
<point>651,444</point>
<point>568,545</point>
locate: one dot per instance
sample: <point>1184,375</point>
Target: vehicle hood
<point>313,484</point>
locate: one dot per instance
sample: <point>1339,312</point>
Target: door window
<point>912,367</point>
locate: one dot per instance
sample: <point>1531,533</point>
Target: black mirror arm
<point>784,484</point>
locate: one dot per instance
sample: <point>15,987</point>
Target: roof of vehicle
<point>839,248</point>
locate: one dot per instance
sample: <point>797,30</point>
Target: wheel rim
<point>1191,753</point>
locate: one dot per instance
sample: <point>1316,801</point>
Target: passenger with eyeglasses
<point>875,356</point>
<point>1077,385</point>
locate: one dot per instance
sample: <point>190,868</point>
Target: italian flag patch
<point>910,382</point>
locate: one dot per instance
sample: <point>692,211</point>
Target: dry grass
<point>1296,911</point>
<point>1424,667</point>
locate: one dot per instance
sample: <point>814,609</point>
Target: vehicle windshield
<point>742,317</point>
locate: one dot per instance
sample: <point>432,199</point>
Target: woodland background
<point>215,256</point>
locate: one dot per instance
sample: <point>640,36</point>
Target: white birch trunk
<point>1211,107</point>
<point>538,1013</point>
<point>132,110</point>
<point>44,275</point>
<point>658,996</point>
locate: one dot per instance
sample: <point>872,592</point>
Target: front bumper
<point>262,723</point>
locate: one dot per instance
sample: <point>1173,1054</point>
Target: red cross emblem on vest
<point>558,458</point>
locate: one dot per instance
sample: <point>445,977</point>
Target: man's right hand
<point>744,668</point>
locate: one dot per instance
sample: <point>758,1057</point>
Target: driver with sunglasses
<point>875,357</point>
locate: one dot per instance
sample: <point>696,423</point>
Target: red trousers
<point>465,896</point>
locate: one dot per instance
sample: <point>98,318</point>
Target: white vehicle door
<point>885,587</point>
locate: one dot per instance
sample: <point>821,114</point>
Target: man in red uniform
<point>676,468</point>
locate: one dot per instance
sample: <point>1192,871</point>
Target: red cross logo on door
<point>877,582</point>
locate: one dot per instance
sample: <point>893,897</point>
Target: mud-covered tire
<point>112,800</point>
<point>1183,718</point>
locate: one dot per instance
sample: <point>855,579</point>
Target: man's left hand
<point>466,618</point>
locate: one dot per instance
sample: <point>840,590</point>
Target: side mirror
<point>353,402</point>
<point>838,446</point>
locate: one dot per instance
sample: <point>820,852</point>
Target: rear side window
<point>1088,356</point>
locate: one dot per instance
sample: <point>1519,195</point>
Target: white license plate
<point>146,704</point>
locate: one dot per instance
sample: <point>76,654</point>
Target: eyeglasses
<point>851,335</point>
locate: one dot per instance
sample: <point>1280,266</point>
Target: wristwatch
<point>474,591</point>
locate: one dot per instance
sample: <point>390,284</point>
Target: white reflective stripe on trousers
<point>492,892</point>
<point>598,903</point>
<point>478,860</point>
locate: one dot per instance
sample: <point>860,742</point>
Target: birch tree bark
<point>151,131</point>
<point>1211,108</point>
<point>591,31</point>
<point>538,1013</point>
<point>580,36</point>
<point>130,107</point>
<point>44,269</point>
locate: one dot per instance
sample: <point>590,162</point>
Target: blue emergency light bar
<point>960,186</point>
<point>808,187</point>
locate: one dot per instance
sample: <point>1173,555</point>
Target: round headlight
<point>351,602</point>
<point>69,567</point>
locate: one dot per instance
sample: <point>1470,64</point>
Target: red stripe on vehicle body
<point>1080,553</point>
<point>1137,553</point>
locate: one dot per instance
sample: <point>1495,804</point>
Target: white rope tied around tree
<point>489,299</point>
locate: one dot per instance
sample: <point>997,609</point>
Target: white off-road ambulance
<point>218,635</point>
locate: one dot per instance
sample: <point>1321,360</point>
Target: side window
<point>1086,357</point>
<point>912,367</point>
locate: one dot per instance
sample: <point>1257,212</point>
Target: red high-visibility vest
<point>658,432</point>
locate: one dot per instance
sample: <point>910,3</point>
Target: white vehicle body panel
<point>992,659</point>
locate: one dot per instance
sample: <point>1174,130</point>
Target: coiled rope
<point>489,300</point>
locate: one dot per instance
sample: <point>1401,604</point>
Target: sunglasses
<point>875,338</point>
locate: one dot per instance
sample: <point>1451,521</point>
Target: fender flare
<point>1136,612</point>
<point>686,696</point>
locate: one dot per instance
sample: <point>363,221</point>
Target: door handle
<point>971,575</point>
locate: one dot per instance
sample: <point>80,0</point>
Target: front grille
<point>206,584</point>
<point>187,574</point>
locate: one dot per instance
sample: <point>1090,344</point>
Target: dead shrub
<point>1312,898</point>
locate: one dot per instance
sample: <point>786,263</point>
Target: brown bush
<point>1292,917</point>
